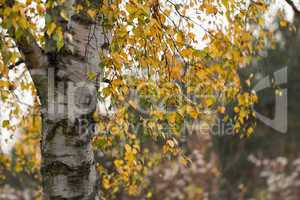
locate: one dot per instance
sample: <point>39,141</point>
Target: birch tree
<point>167,66</point>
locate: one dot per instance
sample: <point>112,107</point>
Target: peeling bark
<point>68,166</point>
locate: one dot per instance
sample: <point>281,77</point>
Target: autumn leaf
<point>5,123</point>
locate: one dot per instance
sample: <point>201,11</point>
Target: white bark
<point>68,167</point>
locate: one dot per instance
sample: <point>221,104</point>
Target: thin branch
<point>294,7</point>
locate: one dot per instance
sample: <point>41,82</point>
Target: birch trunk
<point>68,100</point>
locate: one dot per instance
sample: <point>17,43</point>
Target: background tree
<point>267,143</point>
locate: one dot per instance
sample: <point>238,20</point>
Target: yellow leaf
<point>91,75</point>
<point>186,52</point>
<point>127,148</point>
<point>23,23</point>
<point>180,38</point>
<point>192,112</point>
<point>209,102</point>
<point>78,8</point>
<point>118,163</point>
<point>183,161</point>
<point>246,37</point>
<point>133,190</point>
<point>250,131</point>
<point>5,123</point>
<point>116,82</point>
<point>106,183</point>
<point>175,71</point>
<point>106,91</point>
<point>283,23</point>
<point>221,109</point>
<point>64,15</point>
<point>50,28</point>
<point>115,131</point>
<point>92,13</point>
<point>210,9</point>
<point>236,109</point>
<point>133,104</point>
<point>192,36</point>
<point>172,118</point>
<point>4,84</point>
<point>34,124</point>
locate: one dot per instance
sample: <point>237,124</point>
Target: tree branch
<point>32,53</point>
<point>294,7</point>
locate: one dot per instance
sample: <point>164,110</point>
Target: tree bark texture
<point>68,100</point>
<point>68,167</point>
